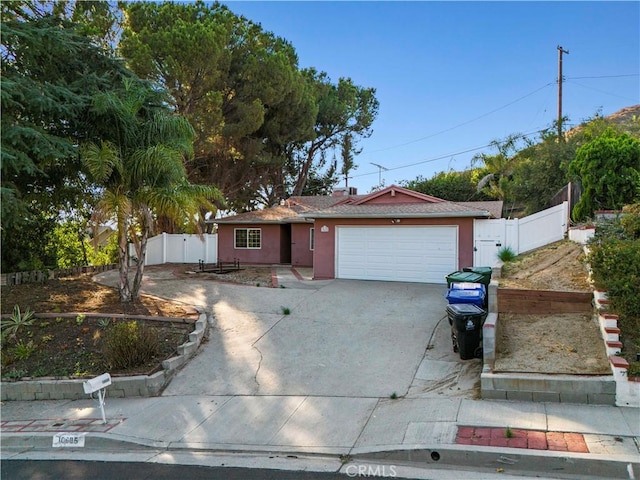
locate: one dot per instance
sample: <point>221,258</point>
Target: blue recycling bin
<point>468,293</point>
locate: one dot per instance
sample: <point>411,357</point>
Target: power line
<point>602,91</point>
<point>496,110</point>
<point>448,155</point>
<point>460,124</point>
<point>604,76</point>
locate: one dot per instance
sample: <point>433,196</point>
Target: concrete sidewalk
<point>401,430</point>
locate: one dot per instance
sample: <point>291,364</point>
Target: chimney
<point>340,192</point>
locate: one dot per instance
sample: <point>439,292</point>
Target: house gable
<point>396,195</point>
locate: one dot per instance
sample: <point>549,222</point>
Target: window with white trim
<point>247,238</point>
<point>312,238</point>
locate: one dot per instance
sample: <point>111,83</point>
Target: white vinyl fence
<point>180,248</point>
<point>520,234</point>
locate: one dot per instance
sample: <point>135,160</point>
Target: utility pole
<point>560,79</point>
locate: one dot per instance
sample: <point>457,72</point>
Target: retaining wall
<point>542,301</point>
<point>125,386</point>
<point>600,389</point>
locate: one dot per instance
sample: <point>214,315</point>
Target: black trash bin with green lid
<point>466,329</point>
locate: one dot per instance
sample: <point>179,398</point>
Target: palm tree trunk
<point>123,259</point>
<point>137,280</point>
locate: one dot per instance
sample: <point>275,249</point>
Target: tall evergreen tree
<point>50,71</point>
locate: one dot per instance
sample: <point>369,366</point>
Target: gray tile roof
<point>299,209</point>
<point>414,210</point>
<point>493,207</point>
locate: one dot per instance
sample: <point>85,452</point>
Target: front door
<point>285,244</point>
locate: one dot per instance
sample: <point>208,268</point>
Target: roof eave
<point>259,222</point>
<point>478,214</point>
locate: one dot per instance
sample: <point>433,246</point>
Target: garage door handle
<point>498,244</point>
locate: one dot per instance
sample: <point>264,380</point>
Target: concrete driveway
<point>342,338</point>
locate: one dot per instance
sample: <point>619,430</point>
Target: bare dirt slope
<point>555,344</point>
<point>559,266</point>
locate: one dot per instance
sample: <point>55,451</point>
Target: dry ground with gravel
<point>559,266</point>
<point>555,344</point>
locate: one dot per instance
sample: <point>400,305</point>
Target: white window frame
<point>312,238</point>
<point>248,245</point>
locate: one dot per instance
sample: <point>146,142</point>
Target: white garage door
<point>401,254</point>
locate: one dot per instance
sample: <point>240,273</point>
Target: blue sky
<point>453,76</point>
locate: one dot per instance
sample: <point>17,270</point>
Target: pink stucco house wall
<point>303,231</point>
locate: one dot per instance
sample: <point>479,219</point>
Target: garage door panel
<point>409,254</point>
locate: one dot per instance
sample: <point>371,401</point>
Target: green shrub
<point>630,221</point>
<point>506,254</point>
<point>615,264</point>
<point>128,345</point>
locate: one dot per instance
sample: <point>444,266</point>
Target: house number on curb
<point>68,440</point>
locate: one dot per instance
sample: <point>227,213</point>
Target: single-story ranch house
<point>394,234</point>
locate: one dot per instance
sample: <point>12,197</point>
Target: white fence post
<point>164,248</point>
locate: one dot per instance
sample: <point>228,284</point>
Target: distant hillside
<point>626,115</point>
<point>628,119</point>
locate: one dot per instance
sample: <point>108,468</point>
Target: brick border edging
<point>48,388</point>
<point>627,388</point>
<point>522,438</point>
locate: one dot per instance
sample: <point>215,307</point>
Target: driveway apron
<point>340,338</point>
<point>345,338</point>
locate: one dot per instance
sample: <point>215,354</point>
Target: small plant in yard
<point>104,323</point>
<point>506,254</point>
<point>508,432</point>
<point>16,322</point>
<point>286,310</point>
<point>22,350</point>
<point>393,396</point>
<point>15,374</point>
<point>80,319</point>
<point>129,344</point>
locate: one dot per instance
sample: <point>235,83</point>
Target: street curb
<point>501,459</point>
<point>510,460</point>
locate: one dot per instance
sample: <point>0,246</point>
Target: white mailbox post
<point>98,384</point>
